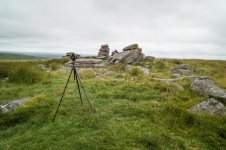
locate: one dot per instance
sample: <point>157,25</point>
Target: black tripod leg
<point>76,77</point>
<point>62,95</point>
<point>87,98</point>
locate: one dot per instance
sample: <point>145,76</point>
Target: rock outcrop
<point>13,105</point>
<point>182,69</point>
<point>103,52</point>
<point>130,54</point>
<point>205,86</point>
<point>209,107</point>
<point>89,63</point>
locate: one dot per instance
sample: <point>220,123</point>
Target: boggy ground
<point>133,111</point>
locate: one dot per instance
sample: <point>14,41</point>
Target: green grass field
<point>133,111</point>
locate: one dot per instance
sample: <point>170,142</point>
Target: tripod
<point>79,83</point>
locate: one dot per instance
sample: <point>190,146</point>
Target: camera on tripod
<point>72,56</point>
<point>80,87</point>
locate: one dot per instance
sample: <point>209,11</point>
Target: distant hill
<point>9,55</point>
<point>28,55</point>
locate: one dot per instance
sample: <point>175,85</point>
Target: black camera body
<point>72,55</point>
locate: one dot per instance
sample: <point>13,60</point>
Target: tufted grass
<point>133,113</point>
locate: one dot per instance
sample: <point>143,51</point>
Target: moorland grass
<point>133,113</point>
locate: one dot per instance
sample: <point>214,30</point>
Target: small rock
<point>144,70</point>
<point>200,69</point>
<point>99,75</point>
<point>13,105</point>
<point>177,75</point>
<point>209,107</point>
<point>177,86</point>
<point>128,68</point>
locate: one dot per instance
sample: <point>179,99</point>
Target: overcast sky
<point>162,28</point>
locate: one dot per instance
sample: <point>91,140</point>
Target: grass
<point>133,113</point>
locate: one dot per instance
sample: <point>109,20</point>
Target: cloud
<point>194,28</point>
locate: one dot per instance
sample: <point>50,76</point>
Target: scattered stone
<point>99,75</point>
<point>200,70</point>
<point>144,70</point>
<point>114,52</point>
<point>13,105</point>
<point>128,68</point>
<point>176,75</point>
<point>89,63</point>
<point>182,69</point>
<point>42,66</point>
<point>209,107</point>
<point>176,86</point>
<point>130,54</point>
<point>175,79</point>
<point>65,69</point>
<point>109,73</point>
<point>205,86</point>
<point>103,52</point>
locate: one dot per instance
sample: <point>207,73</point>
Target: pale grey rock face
<point>209,107</point>
<point>131,47</point>
<point>182,69</point>
<point>206,86</point>
<point>13,105</point>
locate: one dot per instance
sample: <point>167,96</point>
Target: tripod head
<point>74,57</point>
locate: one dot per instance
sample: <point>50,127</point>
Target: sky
<point>162,28</point>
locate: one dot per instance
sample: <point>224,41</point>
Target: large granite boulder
<point>209,107</point>
<point>13,105</point>
<point>103,52</point>
<point>89,63</point>
<point>182,69</point>
<point>130,54</point>
<point>205,86</point>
